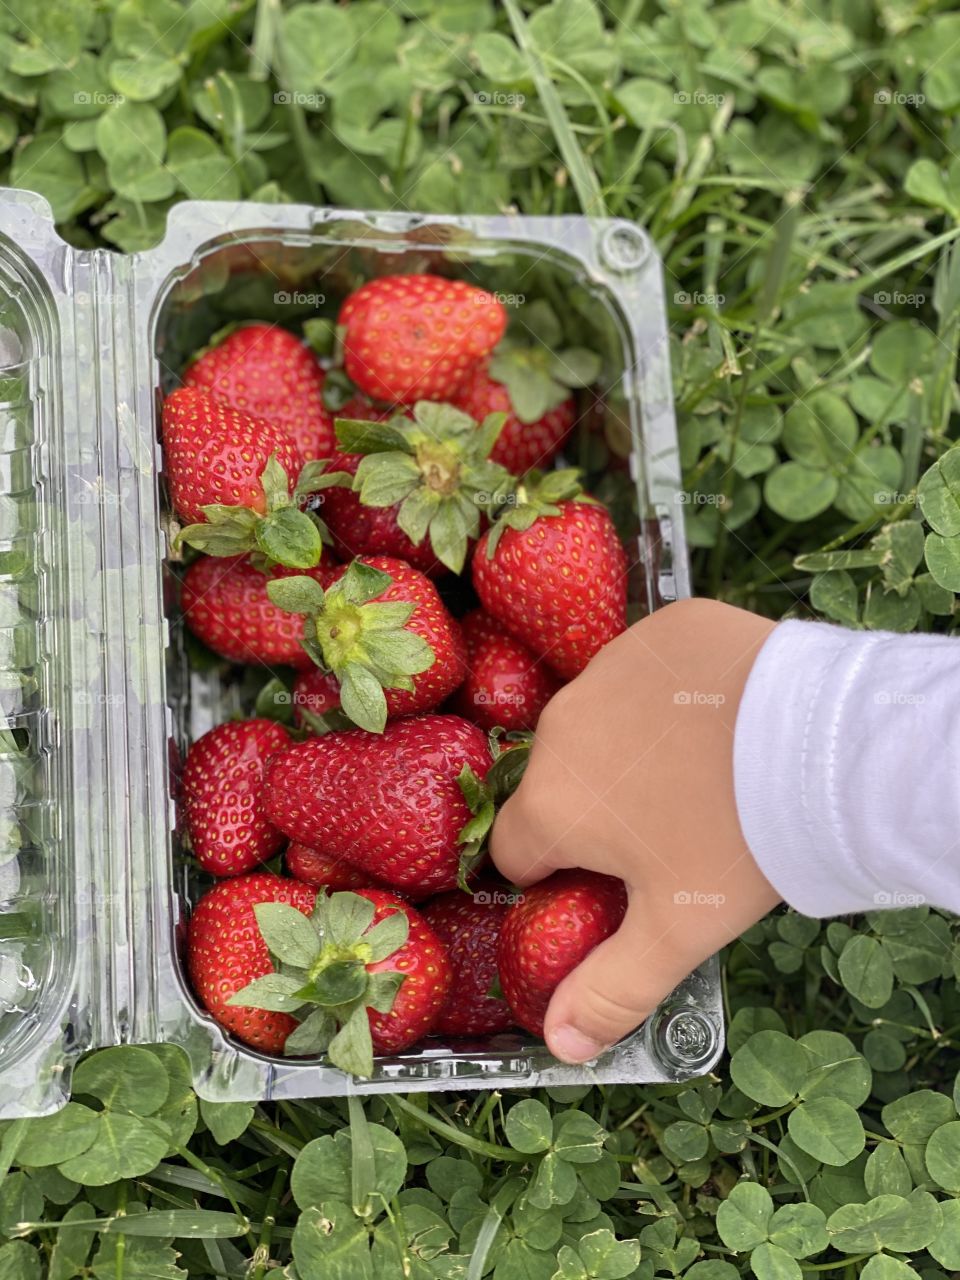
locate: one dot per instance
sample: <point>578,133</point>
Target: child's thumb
<point>610,993</point>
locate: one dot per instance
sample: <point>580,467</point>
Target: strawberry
<point>238,478</point>
<point>409,338</point>
<point>431,471</point>
<point>314,867</point>
<point>505,685</point>
<point>225,952</point>
<point>469,927</point>
<point>360,530</point>
<point>226,605</point>
<point>271,374</point>
<point>523,442</point>
<point>221,784</point>
<point>380,626</point>
<point>546,934</point>
<point>553,571</point>
<point>390,803</point>
<point>366,974</point>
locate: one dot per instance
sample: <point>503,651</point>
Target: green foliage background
<point>796,163</point>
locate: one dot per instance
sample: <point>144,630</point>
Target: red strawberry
<point>558,585</point>
<point>225,952</point>
<point>521,445</point>
<point>313,867</point>
<point>358,630</point>
<point>469,927</point>
<point>546,934</point>
<point>315,694</point>
<point>409,338</point>
<point>359,530</point>
<point>215,454</point>
<point>237,478</point>
<point>221,784</point>
<point>225,604</point>
<point>271,374</point>
<point>505,684</point>
<point>389,803</point>
<point>427,976</point>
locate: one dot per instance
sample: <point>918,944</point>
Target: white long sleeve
<point>847,768</point>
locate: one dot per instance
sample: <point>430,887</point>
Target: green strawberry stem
<point>537,495</point>
<point>435,468</point>
<point>485,798</point>
<point>539,379</point>
<point>286,535</point>
<point>365,644</point>
<point>320,975</point>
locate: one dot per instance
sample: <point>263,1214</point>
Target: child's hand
<point>632,774</point>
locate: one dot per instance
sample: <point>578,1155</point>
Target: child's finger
<point>516,853</point>
<point>610,993</point>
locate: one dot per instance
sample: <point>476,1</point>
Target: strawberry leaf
<point>387,936</point>
<point>472,789</point>
<point>448,536</point>
<point>351,1049</point>
<point>507,770</point>
<point>320,334</point>
<point>276,992</point>
<point>384,479</point>
<point>290,537</point>
<point>415,513</point>
<point>289,934</point>
<point>383,988</point>
<point>398,652</point>
<point>474,831</point>
<point>362,698</point>
<point>296,595</point>
<point>575,366</point>
<point>312,1036</point>
<point>356,436</point>
<point>336,984</point>
<point>276,484</point>
<point>362,582</point>
<point>347,916</point>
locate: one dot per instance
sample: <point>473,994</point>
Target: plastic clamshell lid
<point>95,688</point>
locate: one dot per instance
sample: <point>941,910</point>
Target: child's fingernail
<point>571,1045</point>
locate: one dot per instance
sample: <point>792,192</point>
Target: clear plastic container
<point>98,697</point>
